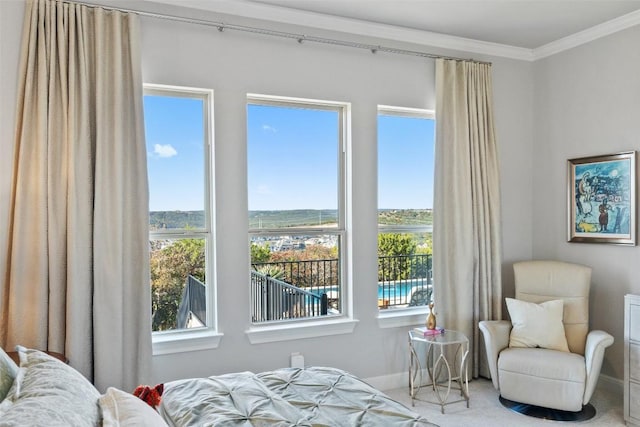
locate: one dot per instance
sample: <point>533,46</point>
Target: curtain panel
<point>466,220</point>
<point>77,280</point>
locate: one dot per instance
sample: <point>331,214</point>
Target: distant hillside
<point>159,220</point>
<point>405,216</point>
<point>292,218</point>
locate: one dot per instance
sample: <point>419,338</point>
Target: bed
<point>45,391</point>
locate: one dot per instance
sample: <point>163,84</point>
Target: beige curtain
<point>466,237</point>
<point>77,279</point>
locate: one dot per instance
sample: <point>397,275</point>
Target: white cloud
<point>165,150</point>
<point>268,128</point>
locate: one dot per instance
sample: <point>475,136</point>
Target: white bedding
<point>46,391</point>
<point>314,396</point>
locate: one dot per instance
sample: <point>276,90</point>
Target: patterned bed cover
<point>314,396</point>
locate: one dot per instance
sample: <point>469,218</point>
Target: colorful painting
<point>602,199</point>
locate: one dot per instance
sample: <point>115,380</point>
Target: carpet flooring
<point>486,410</point>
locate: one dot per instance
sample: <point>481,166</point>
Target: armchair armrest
<point>597,342</point>
<point>496,338</point>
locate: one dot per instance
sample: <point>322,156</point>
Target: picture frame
<point>602,199</point>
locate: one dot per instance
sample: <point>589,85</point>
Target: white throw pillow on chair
<point>537,325</point>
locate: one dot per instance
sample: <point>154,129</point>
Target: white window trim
<point>332,325</point>
<point>421,113</point>
<point>185,341</point>
<point>208,337</point>
<point>409,316</point>
<point>259,334</point>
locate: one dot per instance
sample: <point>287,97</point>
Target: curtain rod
<point>300,38</point>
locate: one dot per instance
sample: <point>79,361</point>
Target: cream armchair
<point>542,377</point>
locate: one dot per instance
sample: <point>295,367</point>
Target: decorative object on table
<point>601,199</point>
<point>150,395</point>
<point>431,318</point>
<point>430,332</point>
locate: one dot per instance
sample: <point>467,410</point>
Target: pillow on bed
<point>537,325</point>
<point>8,372</point>
<point>49,392</point>
<point>122,409</point>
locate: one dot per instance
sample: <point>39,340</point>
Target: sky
<point>406,151</point>
<point>174,132</point>
<point>291,157</point>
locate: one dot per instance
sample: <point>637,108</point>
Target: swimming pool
<point>390,293</point>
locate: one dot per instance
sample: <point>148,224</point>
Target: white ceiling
<point>521,29</point>
<point>519,23</point>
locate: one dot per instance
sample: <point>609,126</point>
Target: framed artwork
<point>602,199</point>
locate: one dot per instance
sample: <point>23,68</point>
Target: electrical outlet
<point>297,360</point>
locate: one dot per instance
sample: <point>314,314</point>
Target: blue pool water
<point>400,291</point>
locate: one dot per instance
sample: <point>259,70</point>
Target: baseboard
<point>393,381</point>
<point>611,385</point>
<point>606,383</point>
<point>389,382</point>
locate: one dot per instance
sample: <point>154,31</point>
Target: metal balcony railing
<point>303,289</point>
<point>403,280</point>
<point>273,299</point>
<point>193,306</point>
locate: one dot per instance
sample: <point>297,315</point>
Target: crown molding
<point>320,21</point>
<point>285,15</point>
<point>590,34</point>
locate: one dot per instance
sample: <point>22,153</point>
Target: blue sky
<point>174,133</point>
<point>291,157</point>
<point>406,150</point>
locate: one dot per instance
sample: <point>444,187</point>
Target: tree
<point>394,251</point>
<point>172,261</point>
<point>260,253</point>
<point>299,271</point>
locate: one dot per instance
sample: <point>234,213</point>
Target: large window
<point>177,127</point>
<point>295,152</point>
<point>406,148</point>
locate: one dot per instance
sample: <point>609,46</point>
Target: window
<point>178,135</point>
<point>406,149</point>
<point>296,187</point>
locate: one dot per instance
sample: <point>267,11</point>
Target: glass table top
<point>447,337</point>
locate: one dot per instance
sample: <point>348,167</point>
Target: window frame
<point>206,337</point>
<point>408,316</point>
<point>292,329</point>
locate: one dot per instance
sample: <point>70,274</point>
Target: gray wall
<point>11,13</point>
<point>234,64</point>
<point>587,102</point>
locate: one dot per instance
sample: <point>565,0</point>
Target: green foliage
<point>426,248</point>
<point>260,253</point>
<point>394,250</point>
<point>394,244</point>
<point>172,261</point>
<point>271,270</point>
<point>308,274</point>
<point>160,220</point>
<point>405,216</point>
